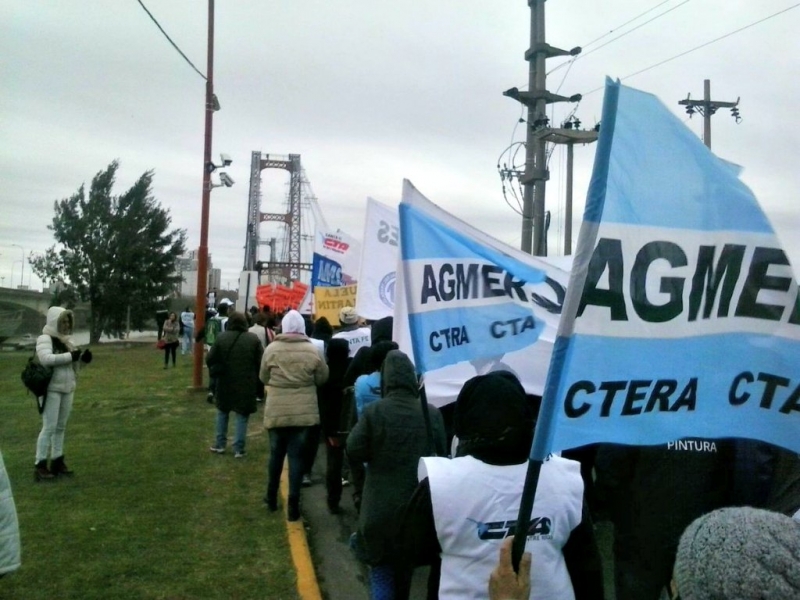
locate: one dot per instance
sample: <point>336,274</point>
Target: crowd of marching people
<point>441,488</point>
<point>692,519</point>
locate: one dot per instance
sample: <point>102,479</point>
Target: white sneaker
<point>217,450</point>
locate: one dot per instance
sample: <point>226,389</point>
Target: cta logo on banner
<point>377,278</point>
<point>682,316</point>
<point>336,259</point>
<point>328,301</point>
<point>472,301</point>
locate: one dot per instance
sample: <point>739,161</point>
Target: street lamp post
<point>202,251</point>
<point>11,282</point>
<point>22,271</point>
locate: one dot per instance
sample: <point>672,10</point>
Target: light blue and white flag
<point>682,315</point>
<point>472,301</point>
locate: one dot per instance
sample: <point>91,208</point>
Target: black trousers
<point>333,471</point>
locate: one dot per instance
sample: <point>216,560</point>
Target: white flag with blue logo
<point>379,251</point>
<point>472,301</point>
<point>682,315</point>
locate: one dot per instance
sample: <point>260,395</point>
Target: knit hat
<point>739,553</point>
<point>493,419</point>
<point>348,315</point>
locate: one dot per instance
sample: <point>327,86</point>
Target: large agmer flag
<point>682,315</point>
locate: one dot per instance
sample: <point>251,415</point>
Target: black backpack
<point>36,376</point>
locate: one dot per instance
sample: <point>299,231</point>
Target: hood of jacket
<point>293,322</point>
<point>382,330</point>
<point>398,375</point>
<point>57,315</point>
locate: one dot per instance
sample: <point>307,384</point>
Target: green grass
<point>150,512</point>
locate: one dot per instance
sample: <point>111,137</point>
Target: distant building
<point>186,268</point>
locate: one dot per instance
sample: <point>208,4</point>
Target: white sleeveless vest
<point>475,507</point>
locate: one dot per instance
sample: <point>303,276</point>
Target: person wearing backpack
<point>54,349</point>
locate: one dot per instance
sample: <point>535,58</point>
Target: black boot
<point>293,509</point>
<point>41,472</point>
<point>59,467</point>
<point>271,499</point>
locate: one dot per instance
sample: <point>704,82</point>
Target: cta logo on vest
<point>539,529</point>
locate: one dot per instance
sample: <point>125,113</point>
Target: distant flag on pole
<point>682,315</point>
<point>377,272</point>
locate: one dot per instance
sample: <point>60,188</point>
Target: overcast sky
<point>368,92</point>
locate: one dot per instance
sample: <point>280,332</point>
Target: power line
<point>597,39</point>
<point>722,37</point>
<point>609,32</point>
<point>622,35</point>
<point>169,39</point>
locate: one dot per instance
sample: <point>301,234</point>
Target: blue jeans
<point>186,340</point>
<point>222,430</point>
<point>285,441</point>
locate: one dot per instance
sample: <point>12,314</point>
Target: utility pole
<point>708,107</point>
<point>536,100</point>
<point>570,134</point>
<point>202,252</point>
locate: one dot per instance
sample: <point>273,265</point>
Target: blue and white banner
<point>468,304</point>
<point>377,277</point>
<point>682,315</point>
<point>336,259</point>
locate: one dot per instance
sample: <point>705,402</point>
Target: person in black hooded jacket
<point>329,397</point>
<point>390,438</point>
<point>381,331</point>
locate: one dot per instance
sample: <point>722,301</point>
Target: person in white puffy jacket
<point>9,526</point>
<point>55,349</point>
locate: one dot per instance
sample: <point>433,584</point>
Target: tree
<point>116,252</point>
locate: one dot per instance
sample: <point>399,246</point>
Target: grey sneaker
<point>217,450</point>
<point>240,454</point>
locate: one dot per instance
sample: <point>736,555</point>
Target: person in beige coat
<point>291,370</point>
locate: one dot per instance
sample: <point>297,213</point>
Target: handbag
<point>36,377</point>
<point>161,344</point>
<point>218,369</point>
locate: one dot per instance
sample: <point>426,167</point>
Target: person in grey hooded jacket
<point>54,348</point>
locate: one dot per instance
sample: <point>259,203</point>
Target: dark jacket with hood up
<point>391,437</point>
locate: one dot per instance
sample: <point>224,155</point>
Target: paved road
<point>340,575</point>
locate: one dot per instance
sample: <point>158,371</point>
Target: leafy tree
<point>116,252</point>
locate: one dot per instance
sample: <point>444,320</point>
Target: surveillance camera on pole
<point>226,179</point>
<point>226,162</point>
